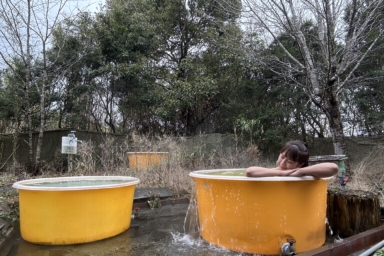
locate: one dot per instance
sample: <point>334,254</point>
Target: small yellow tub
<point>73,210</point>
<point>258,215</point>
<point>144,160</point>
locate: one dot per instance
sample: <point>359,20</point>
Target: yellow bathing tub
<point>144,160</point>
<point>258,215</point>
<point>74,210</point>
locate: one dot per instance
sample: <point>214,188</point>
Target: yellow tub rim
<point>209,174</point>
<point>26,184</point>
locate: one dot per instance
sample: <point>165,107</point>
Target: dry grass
<point>173,173</point>
<point>368,174</point>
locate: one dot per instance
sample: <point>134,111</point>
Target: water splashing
<point>333,237</point>
<point>185,239</point>
<point>191,221</point>
<point>338,239</point>
<point>329,227</point>
<point>185,245</point>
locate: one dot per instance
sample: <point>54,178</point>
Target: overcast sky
<point>85,5</point>
<point>71,8</point>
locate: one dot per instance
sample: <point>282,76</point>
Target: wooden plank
<point>350,212</point>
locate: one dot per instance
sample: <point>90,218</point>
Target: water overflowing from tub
<point>331,236</point>
<point>191,221</point>
<point>338,239</point>
<point>187,245</point>
<point>329,227</point>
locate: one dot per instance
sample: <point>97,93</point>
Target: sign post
<point>69,146</point>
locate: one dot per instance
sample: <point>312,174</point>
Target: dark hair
<point>296,151</point>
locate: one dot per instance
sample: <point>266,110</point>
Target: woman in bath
<point>293,161</point>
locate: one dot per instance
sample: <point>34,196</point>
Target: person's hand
<point>293,173</point>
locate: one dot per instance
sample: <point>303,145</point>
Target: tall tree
<point>342,28</point>
<point>126,36</point>
<point>74,54</point>
<point>202,58</point>
<point>26,31</point>
<point>368,97</point>
<point>16,43</point>
<point>169,64</point>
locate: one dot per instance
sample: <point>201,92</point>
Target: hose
<point>373,249</point>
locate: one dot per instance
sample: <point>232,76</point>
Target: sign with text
<point>68,145</point>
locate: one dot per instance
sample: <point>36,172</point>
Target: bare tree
<point>26,28</point>
<point>16,45</point>
<point>344,32</point>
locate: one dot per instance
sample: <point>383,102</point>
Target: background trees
<point>270,71</point>
<point>332,39</point>
<point>26,32</point>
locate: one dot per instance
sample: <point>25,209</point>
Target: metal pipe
<point>287,248</point>
<point>373,249</point>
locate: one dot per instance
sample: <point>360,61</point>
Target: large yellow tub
<point>145,160</point>
<point>74,210</point>
<point>258,215</point>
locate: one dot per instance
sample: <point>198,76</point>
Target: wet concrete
<point>155,232</point>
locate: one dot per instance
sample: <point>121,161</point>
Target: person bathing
<point>293,161</point>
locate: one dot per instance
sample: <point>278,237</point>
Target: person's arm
<point>257,171</point>
<point>321,170</point>
<point>318,170</point>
